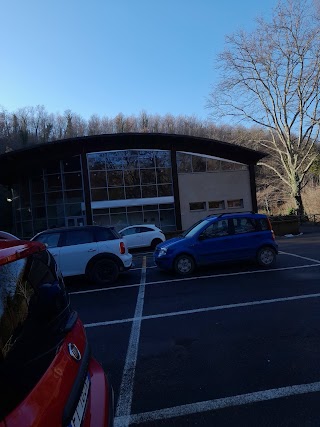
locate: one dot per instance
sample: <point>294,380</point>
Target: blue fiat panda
<point>215,239</point>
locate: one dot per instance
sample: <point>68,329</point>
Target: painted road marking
<point>123,410</point>
<point>205,309</point>
<point>226,402</point>
<point>240,273</point>
<point>299,256</point>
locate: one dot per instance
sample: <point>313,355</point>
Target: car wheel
<point>266,256</point>
<point>184,265</point>
<point>155,242</point>
<point>104,272</point>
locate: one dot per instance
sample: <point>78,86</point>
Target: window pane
<point>37,184</point>
<point>96,161</point>
<point>197,206</point>
<point>146,159</point>
<point>184,163</point>
<point>103,234</point>
<point>116,193</point>
<point>38,199</point>
<point>135,218</point>
<point>131,177</point>
<point>101,220</point>
<point>98,179</point>
<point>131,159</point>
<point>73,196</point>
<point>54,182</point>
<point>228,166</point>
<point>73,209</point>
<point>198,164</point>
<point>77,237</point>
<point>115,178</point>
<point>114,160</point>
<point>151,217</point>
<point>55,211</point>
<point>235,203</point>
<point>118,221</point>
<point>39,212</point>
<point>99,194</point>
<point>167,217</point>
<point>163,159</point>
<point>244,225</point>
<point>213,165</point>
<point>133,192</point>
<point>72,164</point>
<point>148,176</point>
<point>165,190</point>
<point>73,181</point>
<point>134,208</point>
<point>56,222</point>
<point>54,198</point>
<point>149,191</point>
<point>51,239</point>
<point>164,176</point>
<point>53,168</point>
<point>217,204</point>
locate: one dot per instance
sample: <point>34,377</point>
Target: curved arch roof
<point>16,164</point>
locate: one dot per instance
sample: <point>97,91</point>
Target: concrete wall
<point>210,186</point>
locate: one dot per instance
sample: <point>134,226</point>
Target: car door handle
<point>55,254</point>
<point>92,250</point>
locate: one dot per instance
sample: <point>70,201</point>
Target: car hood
<point>170,242</point>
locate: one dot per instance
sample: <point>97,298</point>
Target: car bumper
<point>127,262</point>
<point>100,405</point>
<point>163,262</point>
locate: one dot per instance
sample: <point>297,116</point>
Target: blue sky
<point>111,56</point>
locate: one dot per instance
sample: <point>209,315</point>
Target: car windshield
<point>194,228</point>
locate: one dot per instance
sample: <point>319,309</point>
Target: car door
<point>146,235</point>
<point>78,248</point>
<point>246,239</point>
<point>214,243</point>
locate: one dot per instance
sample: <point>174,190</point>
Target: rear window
<point>33,307</point>
<point>263,224</point>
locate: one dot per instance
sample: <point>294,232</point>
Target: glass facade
<point>48,198</point>
<point>193,163</point>
<point>132,187</point>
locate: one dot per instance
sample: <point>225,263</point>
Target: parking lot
<point>231,345</point>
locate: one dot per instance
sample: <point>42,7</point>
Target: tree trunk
<point>299,203</point>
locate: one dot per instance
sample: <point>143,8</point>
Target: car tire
<point>105,271</point>
<point>266,256</point>
<point>184,265</point>
<point>155,242</point>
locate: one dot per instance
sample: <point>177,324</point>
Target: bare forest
<point>34,125</point>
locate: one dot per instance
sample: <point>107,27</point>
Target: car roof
<point>80,227</point>
<point>236,215</point>
<point>12,250</point>
<point>140,225</point>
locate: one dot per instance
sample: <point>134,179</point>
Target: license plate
<point>79,412</point>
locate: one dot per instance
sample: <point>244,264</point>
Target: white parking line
<point>239,273</point>
<point>299,256</point>
<point>226,402</point>
<point>205,309</point>
<point>123,410</point>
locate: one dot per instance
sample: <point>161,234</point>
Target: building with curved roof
<point>128,178</point>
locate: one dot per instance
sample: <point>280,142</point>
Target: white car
<point>7,236</point>
<point>139,236</point>
<point>98,252</point>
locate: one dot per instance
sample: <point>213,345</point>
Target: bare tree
<point>271,78</point>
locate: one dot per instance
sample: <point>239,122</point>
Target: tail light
<point>122,248</point>
<point>270,228</point>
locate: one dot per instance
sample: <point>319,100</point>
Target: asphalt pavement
<point>233,345</point>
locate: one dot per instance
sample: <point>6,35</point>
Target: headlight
<point>163,252</point>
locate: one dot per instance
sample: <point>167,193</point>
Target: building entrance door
<point>74,221</point>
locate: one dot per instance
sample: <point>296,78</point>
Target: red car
<point>47,374</point>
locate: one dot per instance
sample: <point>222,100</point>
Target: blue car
<point>221,238</point>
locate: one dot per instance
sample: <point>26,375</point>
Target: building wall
<point>207,187</point>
